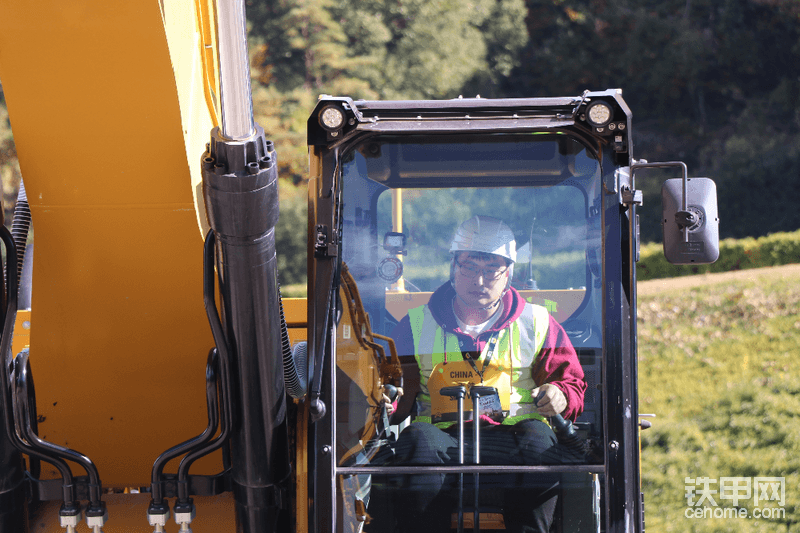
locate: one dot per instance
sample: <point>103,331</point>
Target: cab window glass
<point>545,188</point>
<point>434,234</point>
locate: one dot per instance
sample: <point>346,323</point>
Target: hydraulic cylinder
<point>241,196</point>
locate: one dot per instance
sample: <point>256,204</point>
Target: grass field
<point>718,366</point>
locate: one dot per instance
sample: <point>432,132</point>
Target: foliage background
<point>714,83</point>
<point>707,80</point>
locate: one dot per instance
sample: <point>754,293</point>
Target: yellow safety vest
<point>518,347</point>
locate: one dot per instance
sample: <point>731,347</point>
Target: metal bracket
<point>324,246</point>
<point>631,196</point>
<point>580,103</point>
<point>690,218</point>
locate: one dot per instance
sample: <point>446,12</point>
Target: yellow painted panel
<point>119,345</point>
<point>22,332</point>
<point>295,310</point>
<point>118,352</point>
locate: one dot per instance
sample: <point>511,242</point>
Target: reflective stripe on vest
<point>527,335</point>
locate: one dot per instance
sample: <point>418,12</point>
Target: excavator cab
<point>390,183</point>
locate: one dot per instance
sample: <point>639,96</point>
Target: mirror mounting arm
<point>686,219</point>
<point>684,177</point>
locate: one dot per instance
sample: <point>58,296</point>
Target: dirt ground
<point>687,282</point>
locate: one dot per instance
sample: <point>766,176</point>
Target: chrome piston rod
<point>236,97</point>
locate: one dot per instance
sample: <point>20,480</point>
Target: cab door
<point>396,201</point>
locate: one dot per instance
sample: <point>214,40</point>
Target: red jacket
<point>557,362</point>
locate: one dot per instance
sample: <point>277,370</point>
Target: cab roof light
<point>331,118</point>
<point>598,114</point>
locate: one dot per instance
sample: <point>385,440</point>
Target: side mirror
<point>690,221</point>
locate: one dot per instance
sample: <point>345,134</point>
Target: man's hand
<point>552,403</point>
<point>391,404</point>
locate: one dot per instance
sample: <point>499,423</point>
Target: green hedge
<point>734,254</point>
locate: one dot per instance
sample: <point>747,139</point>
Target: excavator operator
<point>477,329</point>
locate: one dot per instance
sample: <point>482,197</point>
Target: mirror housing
<point>691,233</point>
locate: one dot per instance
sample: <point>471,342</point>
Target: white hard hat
<point>485,234</point>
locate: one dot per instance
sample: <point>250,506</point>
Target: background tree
<point>9,166</point>
<point>708,84</point>
<point>711,82</point>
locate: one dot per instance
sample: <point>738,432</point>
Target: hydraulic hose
<point>67,480</point>
<point>217,402</point>
<point>34,464</point>
<point>212,404</point>
<point>217,332</point>
<point>12,471</point>
<point>220,412</point>
<point>21,419</point>
<point>10,311</point>
<point>16,414</point>
<point>34,446</point>
<point>46,448</point>
<point>200,451</point>
<point>9,317</point>
<point>221,405</point>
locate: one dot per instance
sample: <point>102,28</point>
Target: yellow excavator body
<point>111,103</point>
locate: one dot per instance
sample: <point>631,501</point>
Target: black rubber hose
<point>25,426</point>
<point>70,506</point>
<point>20,225</point>
<point>9,416</point>
<point>221,401</point>
<point>12,287</point>
<point>317,407</point>
<point>67,483</point>
<point>35,466</point>
<point>22,420</point>
<point>295,373</point>
<point>186,462</point>
<point>205,447</point>
<point>215,322</point>
<point>224,371</point>
<point>195,442</point>
<point>9,317</point>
